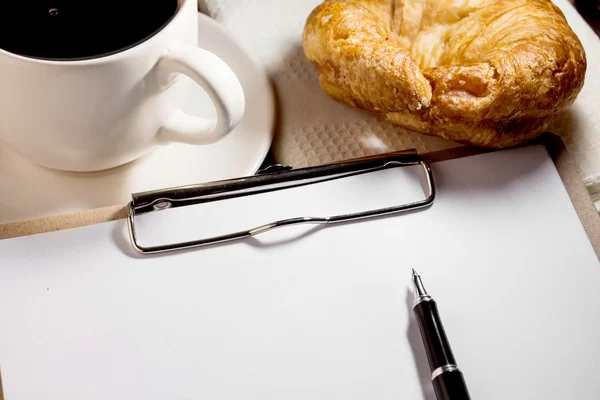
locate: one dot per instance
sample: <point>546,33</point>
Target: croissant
<point>487,73</point>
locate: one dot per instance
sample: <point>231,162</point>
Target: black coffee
<point>79,29</point>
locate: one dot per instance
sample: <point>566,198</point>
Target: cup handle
<point>220,83</point>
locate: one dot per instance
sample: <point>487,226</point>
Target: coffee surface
<point>79,29</point>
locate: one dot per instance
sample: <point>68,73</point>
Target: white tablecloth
<point>313,129</point>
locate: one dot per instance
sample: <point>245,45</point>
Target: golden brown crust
<point>489,73</point>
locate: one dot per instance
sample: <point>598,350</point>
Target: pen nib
<point>418,288</point>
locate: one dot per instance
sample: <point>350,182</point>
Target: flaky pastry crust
<point>489,73</point>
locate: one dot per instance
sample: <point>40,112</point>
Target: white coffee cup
<point>99,113</point>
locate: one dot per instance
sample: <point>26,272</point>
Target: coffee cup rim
<point>107,57</point>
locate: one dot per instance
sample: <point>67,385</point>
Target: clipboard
<point>278,177</point>
<point>92,273</point>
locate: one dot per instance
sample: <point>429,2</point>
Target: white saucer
<point>29,191</point>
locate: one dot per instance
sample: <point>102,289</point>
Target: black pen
<point>448,382</point>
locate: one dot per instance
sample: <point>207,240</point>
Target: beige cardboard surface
<point>567,170</point>
<point>60,222</point>
<point>580,196</point>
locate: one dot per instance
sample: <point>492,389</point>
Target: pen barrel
<point>434,337</point>
<point>450,386</point>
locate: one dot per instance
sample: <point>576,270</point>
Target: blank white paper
<point>315,313</point>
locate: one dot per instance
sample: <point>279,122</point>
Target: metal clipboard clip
<point>272,179</point>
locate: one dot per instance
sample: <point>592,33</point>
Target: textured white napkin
<point>313,129</point>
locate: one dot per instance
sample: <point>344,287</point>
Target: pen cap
<point>434,337</point>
